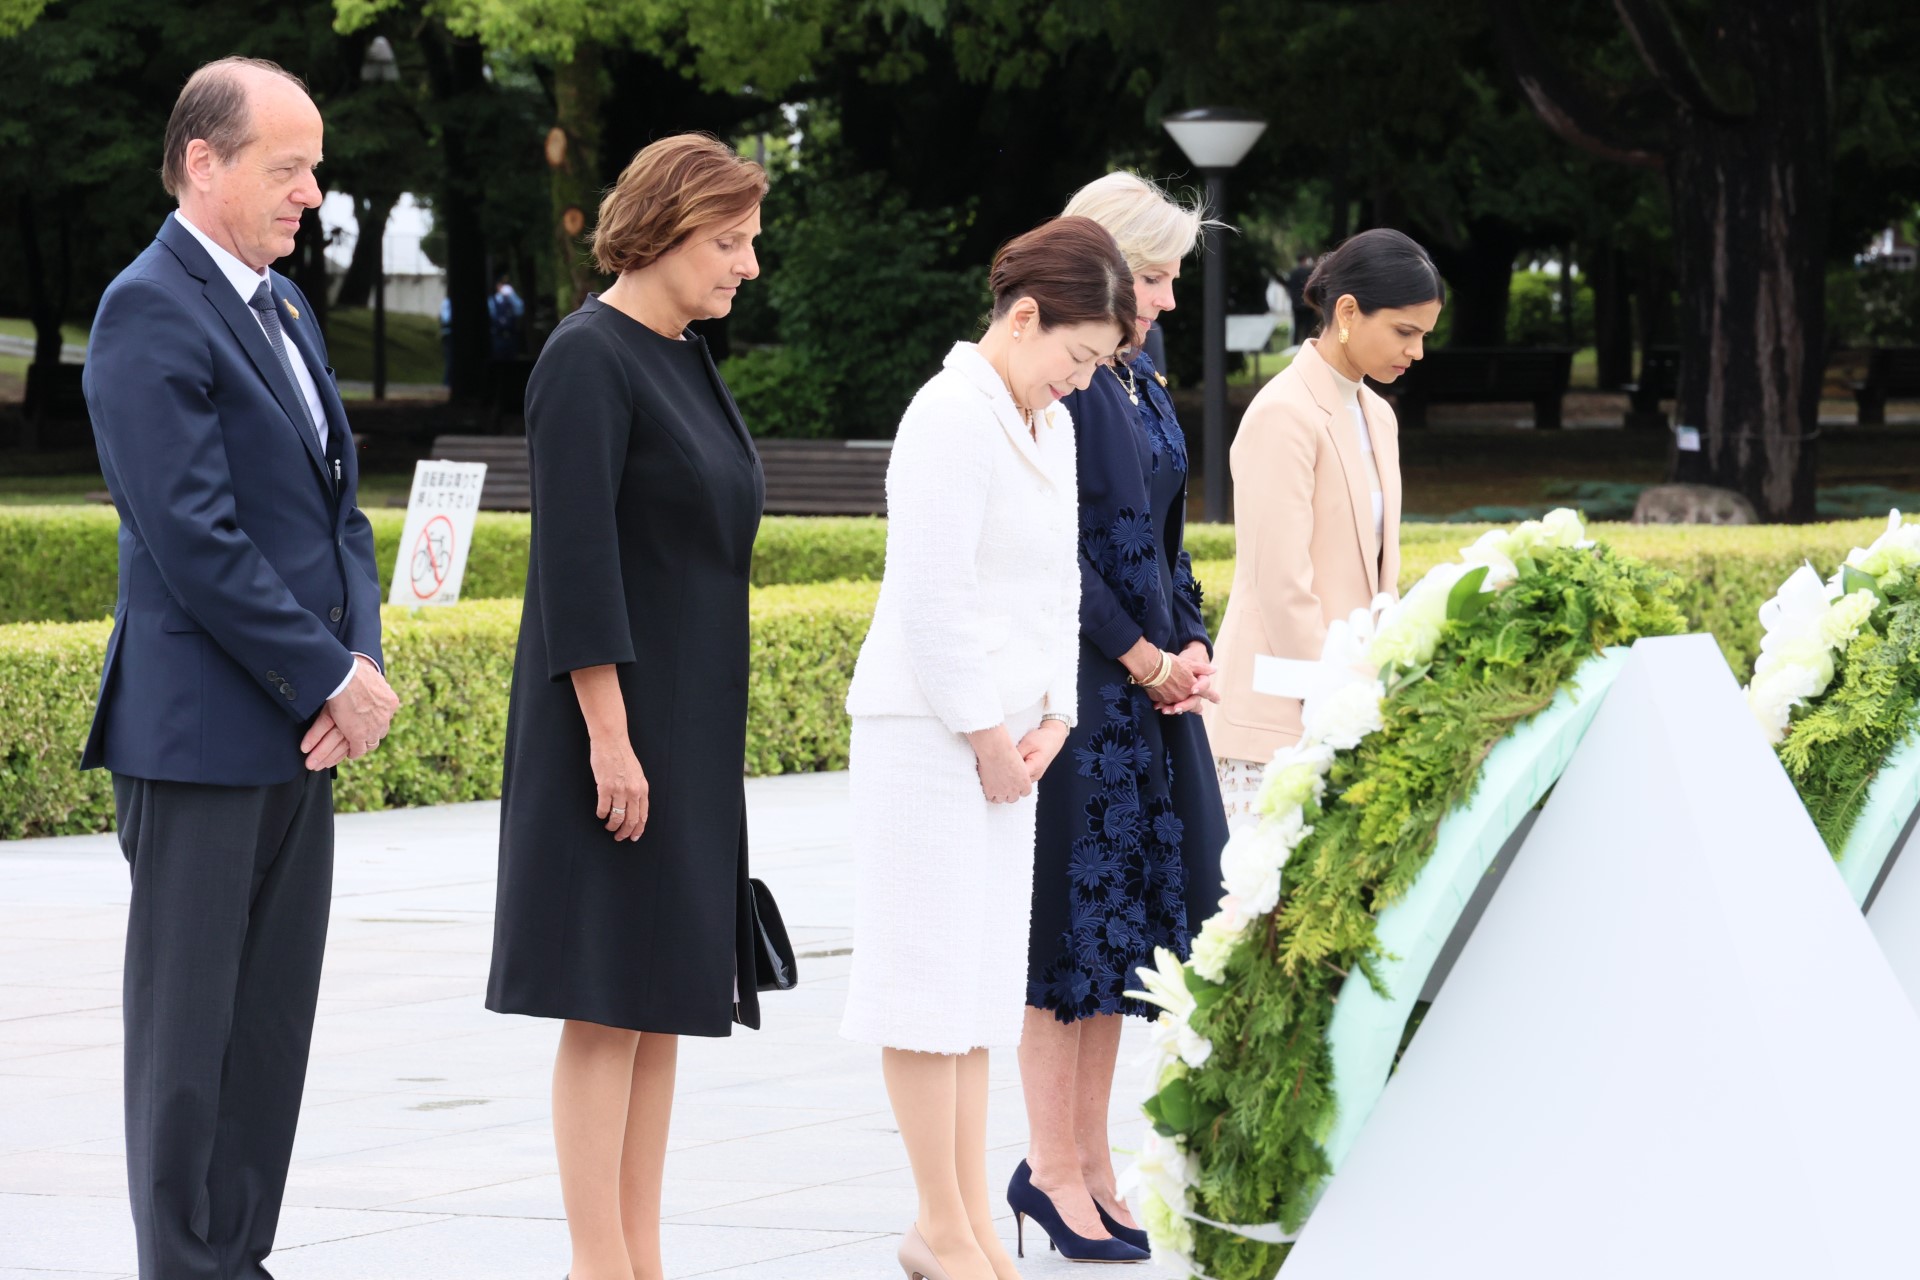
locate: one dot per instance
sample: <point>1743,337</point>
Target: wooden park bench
<point>1891,371</point>
<point>508,486</point>
<point>1659,380</point>
<point>825,477</point>
<point>1486,375</point>
<point>804,477</point>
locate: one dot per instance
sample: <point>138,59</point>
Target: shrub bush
<point>838,238</point>
<point>453,666</point>
<point>61,564</point>
<point>1873,306</point>
<point>453,669</point>
<point>1533,311</point>
<point>782,393</point>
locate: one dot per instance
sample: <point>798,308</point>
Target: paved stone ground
<point>424,1148</point>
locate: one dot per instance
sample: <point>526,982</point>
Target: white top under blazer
<point>979,610</point>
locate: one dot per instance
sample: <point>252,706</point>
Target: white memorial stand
<point>1894,913</point>
<point>1671,1048</point>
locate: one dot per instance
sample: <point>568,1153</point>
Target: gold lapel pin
<point>1159,377</point>
<point>291,309</point>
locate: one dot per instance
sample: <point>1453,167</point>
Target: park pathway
<point>424,1148</point>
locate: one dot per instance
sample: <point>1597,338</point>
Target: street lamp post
<point>1215,139</point>
<point>378,67</point>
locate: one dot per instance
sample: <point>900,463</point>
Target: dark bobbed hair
<point>1381,268</point>
<point>1073,269</point>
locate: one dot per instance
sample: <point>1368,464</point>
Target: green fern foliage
<point>1257,1113</point>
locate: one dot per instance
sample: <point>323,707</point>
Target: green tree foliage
<point>868,294</point>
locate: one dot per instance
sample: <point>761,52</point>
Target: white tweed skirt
<point>943,891</point>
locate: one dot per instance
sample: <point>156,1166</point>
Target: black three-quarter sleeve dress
<point>646,499</point>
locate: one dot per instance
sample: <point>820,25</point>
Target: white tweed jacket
<point>979,611</point>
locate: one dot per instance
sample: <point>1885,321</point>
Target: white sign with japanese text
<point>433,549</point>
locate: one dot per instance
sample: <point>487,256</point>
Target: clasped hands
<point>1189,680</point>
<point>353,721</point>
<point>1008,769</point>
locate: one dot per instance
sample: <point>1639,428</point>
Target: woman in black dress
<point>1127,851</point>
<point>623,893</point>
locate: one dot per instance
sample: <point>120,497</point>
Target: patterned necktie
<point>262,302</point>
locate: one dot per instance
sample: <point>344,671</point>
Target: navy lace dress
<point>1130,826</point>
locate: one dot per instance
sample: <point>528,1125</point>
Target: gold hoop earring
<point>1343,335</point>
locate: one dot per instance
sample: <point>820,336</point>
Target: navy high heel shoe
<point>1132,1235</point>
<point>1029,1201</point>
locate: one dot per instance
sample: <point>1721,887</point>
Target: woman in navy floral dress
<point>1129,835</point>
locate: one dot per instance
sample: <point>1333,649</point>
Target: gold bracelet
<point>1160,676</point>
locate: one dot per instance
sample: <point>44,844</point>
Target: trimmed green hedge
<point>453,666</point>
<point>453,669</point>
<point>61,564</point>
<point>1726,572</point>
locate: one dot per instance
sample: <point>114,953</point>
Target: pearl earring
<point>1343,335</point>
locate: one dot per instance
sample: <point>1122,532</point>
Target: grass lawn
<point>1585,369</point>
<point>19,327</point>
<point>72,490</point>
<point>413,346</point>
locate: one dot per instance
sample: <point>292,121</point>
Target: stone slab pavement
<point>424,1148</point>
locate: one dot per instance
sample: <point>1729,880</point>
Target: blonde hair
<point>671,189</point>
<point>1149,224</point>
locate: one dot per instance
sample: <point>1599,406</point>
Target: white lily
<point>1166,988</point>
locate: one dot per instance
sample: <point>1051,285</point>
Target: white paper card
<point>433,550</point>
<point>1298,678</point>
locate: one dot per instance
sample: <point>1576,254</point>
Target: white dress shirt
<point>246,281</point>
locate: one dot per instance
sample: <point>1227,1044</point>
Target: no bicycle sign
<point>433,549</point>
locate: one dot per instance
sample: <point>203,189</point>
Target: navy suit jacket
<point>247,575</point>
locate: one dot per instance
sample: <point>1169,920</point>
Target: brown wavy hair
<point>670,190</point>
<point>1073,268</point>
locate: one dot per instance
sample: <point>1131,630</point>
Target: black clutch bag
<point>773,963</point>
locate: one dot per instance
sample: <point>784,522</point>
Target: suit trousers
<point>225,934</point>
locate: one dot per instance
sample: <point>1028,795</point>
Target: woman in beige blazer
<point>1316,474</point>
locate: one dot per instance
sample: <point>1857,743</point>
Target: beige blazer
<point>1305,550</point>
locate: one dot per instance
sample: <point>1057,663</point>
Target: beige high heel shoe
<point>917,1259</point>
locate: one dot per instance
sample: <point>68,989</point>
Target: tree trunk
<point>46,307</point>
<point>356,286</point>
<point>1479,278</point>
<point>457,69</point>
<point>578,89</point>
<point>1612,317</point>
<point>1750,212</point>
<point>307,267</point>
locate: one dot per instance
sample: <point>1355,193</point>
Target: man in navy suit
<point>244,664</point>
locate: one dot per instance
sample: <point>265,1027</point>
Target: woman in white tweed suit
<point>962,696</point>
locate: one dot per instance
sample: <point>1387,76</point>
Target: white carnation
<point>1341,717</point>
<point>1213,945</point>
<point>1254,857</point>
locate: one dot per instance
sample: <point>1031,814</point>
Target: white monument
<point>1671,1048</point>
